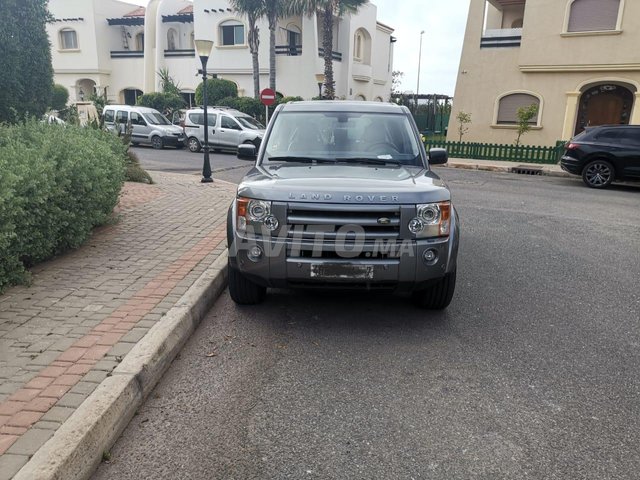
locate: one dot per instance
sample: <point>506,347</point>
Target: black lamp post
<point>203,48</point>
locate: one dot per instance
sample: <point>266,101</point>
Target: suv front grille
<point>347,222</point>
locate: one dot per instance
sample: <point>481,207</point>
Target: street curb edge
<point>76,449</point>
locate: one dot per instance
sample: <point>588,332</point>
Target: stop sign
<point>268,97</point>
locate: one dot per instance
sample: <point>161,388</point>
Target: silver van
<point>149,126</point>
<point>228,128</point>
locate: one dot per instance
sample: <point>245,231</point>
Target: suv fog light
<point>416,226</point>
<point>255,254</point>
<point>430,255</point>
<point>271,223</point>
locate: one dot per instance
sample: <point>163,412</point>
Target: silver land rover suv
<point>342,196</point>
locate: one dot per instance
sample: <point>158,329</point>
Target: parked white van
<point>149,126</point>
<point>228,128</point>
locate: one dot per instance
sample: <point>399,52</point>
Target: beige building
<point>578,60</point>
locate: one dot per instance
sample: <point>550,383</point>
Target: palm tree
<point>274,9</point>
<point>327,9</point>
<point>253,9</point>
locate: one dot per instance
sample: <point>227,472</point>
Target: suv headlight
<point>432,220</point>
<point>256,213</point>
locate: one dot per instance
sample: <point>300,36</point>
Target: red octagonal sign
<point>268,97</point>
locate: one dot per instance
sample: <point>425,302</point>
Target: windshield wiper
<point>300,159</point>
<point>371,161</point>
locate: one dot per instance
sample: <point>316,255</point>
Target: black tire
<point>598,174</point>
<point>438,296</point>
<point>157,143</point>
<point>194,145</point>
<point>243,291</point>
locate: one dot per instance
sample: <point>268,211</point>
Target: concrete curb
<point>76,449</point>
<point>544,169</point>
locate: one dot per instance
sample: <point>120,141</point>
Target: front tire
<point>598,174</point>
<point>438,296</point>
<point>157,143</point>
<point>243,291</point>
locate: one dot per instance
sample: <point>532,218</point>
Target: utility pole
<point>419,64</point>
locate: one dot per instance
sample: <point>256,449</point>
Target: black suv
<point>604,154</point>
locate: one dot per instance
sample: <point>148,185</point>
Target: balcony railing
<point>503,37</point>
<point>189,52</point>
<point>127,54</point>
<point>289,50</point>
<point>337,56</point>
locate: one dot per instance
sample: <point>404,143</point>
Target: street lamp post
<point>419,64</point>
<point>320,80</point>
<point>203,48</point>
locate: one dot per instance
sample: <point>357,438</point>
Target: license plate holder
<point>341,271</point>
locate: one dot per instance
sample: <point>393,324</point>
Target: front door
<point>228,134</point>
<point>604,105</point>
<point>140,130</point>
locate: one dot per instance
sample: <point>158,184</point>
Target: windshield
<point>250,123</point>
<point>157,119</point>
<point>343,137</point>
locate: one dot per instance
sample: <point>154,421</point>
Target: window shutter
<point>509,105</point>
<point>593,15</point>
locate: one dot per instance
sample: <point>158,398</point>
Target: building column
<point>150,20</point>
<point>570,115</point>
<point>635,113</point>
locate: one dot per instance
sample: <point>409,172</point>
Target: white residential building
<point>118,48</point>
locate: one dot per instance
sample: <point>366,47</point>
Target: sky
<point>443,23</point>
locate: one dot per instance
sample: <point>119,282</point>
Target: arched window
<point>172,36</point>
<point>232,33</point>
<point>593,15</point>
<point>508,106</point>
<point>68,39</point>
<point>362,46</point>
<point>140,42</point>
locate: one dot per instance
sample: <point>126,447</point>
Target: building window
<point>362,46</point>
<point>357,47</point>
<point>140,42</point>
<point>171,39</point>
<point>509,104</point>
<point>232,33</point>
<point>68,39</point>
<point>593,15</point>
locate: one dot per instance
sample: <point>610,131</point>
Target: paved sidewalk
<point>64,334</point>
<point>502,166</point>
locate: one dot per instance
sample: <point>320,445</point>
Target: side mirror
<point>247,152</point>
<point>438,156</point>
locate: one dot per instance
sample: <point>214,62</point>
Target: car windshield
<point>343,137</point>
<point>157,119</point>
<point>250,123</point>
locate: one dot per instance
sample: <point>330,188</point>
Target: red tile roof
<point>187,9</point>
<point>138,12</point>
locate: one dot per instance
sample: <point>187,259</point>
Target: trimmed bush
<point>248,105</point>
<point>217,89</point>
<point>57,183</point>
<point>59,97</point>
<point>163,102</point>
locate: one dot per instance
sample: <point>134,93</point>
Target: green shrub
<point>134,172</point>
<point>217,89</point>
<point>289,99</point>
<point>163,102</point>
<point>57,183</point>
<point>59,97</point>
<point>248,105</point>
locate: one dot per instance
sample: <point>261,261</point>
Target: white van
<point>149,126</point>
<point>228,128</point>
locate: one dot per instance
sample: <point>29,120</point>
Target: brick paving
<point>63,335</point>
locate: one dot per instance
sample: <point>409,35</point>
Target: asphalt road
<point>225,165</point>
<point>532,372</point>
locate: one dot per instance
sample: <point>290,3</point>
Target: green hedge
<point>56,184</point>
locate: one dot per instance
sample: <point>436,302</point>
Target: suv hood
<point>344,184</point>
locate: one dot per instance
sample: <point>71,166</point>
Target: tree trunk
<point>273,21</point>
<point>327,45</point>
<point>254,45</point>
